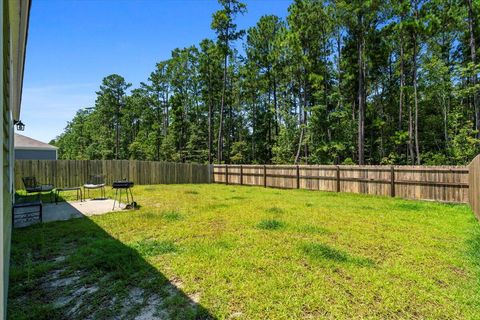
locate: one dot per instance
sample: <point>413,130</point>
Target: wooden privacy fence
<point>448,184</point>
<point>71,173</point>
<point>440,183</point>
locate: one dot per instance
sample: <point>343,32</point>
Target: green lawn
<point>214,251</point>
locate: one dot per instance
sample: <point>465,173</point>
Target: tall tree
<point>390,82</point>
<point>111,100</point>
<point>226,30</point>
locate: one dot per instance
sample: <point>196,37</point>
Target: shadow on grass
<point>318,251</point>
<point>76,270</point>
<point>21,196</point>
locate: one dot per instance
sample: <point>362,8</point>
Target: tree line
<point>337,81</point>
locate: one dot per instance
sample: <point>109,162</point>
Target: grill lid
<point>122,184</point>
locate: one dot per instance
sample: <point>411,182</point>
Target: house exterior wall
<point>25,154</point>
<point>14,15</point>
<point>5,195</point>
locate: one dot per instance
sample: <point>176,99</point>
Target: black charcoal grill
<point>119,187</point>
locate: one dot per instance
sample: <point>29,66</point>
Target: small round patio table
<point>78,189</point>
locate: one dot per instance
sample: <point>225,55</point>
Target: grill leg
<point>114,199</point>
<point>131,195</point>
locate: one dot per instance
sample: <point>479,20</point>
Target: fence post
<point>338,178</point>
<point>298,177</point>
<point>241,175</point>
<point>226,174</point>
<point>264,176</point>
<point>211,174</point>
<point>392,181</point>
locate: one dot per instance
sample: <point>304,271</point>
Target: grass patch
<point>321,251</point>
<point>327,255</point>
<point>274,210</point>
<point>149,248</point>
<point>149,215</point>
<point>217,206</point>
<point>191,192</point>
<point>172,216</point>
<point>313,229</point>
<point>236,198</point>
<point>270,224</point>
<point>410,206</point>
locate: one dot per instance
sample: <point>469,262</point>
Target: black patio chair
<point>33,186</point>
<point>95,182</point>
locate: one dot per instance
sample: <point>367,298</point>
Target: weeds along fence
<point>449,184</point>
<point>72,173</point>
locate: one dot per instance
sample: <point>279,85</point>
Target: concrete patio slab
<point>77,209</point>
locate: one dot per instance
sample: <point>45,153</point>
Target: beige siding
<point>4,197</point>
<point>14,21</point>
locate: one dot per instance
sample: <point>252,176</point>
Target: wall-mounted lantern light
<point>19,124</point>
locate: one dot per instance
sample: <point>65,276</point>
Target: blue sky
<point>72,45</point>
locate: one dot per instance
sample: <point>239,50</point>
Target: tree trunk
<point>361,93</point>
<point>445,121</point>
<point>402,84</point>
<point>415,89</point>
<point>473,57</point>
<point>275,105</point>
<point>301,118</point>
<point>415,95</point>
<point>254,126</point>
<point>210,131</point>
<point>222,107</point>
<point>297,156</point>
<point>159,132</point>
<point>117,133</point>
<point>410,134</point>
<point>167,122</point>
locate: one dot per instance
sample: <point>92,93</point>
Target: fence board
<point>448,184</point>
<point>71,173</point>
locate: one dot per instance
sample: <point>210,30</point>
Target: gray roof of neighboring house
<point>26,143</point>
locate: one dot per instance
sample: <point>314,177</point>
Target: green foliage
<point>293,95</point>
<point>239,152</point>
